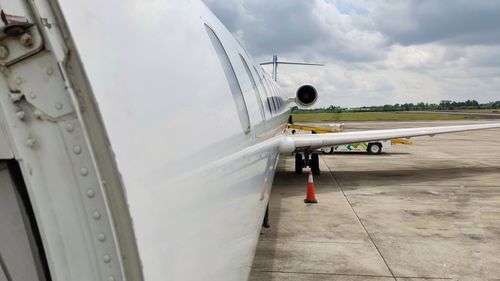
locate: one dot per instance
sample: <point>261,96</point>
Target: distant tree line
<point>443,105</point>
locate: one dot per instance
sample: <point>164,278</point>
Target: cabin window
<point>272,94</point>
<point>231,78</point>
<point>254,85</point>
<point>265,90</point>
<point>277,97</point>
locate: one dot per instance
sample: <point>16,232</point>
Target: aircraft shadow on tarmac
<point>361,153</point>
<point>290,184</point>
<point>418,176</point>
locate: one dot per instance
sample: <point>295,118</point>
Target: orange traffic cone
<point>310,197</point>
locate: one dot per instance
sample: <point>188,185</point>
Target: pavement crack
<point>357,217</point>
<point>323,273</point>
<point>486,164</point>
<point>352,274</point>
<point>310,241</point>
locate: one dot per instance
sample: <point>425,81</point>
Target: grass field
<point>478,110</point>
<point>376,116</point>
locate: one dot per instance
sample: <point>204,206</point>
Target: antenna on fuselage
<point>275,64</point>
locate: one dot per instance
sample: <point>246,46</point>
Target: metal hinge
<point>19,39</point>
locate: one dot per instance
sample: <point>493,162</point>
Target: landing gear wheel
<point>299,163</point>
<point>374,148</point>
<point>315,164</point>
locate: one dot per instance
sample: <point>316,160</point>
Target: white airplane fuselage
<point>197,183</point>
<point>196,167</point>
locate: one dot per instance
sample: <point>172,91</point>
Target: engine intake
<point>306,96</point>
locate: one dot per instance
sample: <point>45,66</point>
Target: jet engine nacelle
<point>306,96</point>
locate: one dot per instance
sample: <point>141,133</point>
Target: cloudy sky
<point>376,52</point>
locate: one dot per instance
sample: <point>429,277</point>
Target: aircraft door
<point>19,256</point>
<point>231,78</point>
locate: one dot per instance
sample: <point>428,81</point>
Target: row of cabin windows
<point>274,102</point>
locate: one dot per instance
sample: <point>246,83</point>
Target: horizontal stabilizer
<point>293,63</point>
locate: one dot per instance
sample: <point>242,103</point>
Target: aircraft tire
<point>299,163</point>
<point>315,164</point>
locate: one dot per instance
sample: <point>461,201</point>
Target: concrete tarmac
<point>427,211</point>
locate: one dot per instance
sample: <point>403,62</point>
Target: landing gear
<point>314,164</point>
<point>265,223</point>
<point>311,160</point>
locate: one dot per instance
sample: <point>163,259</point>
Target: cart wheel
<point>328,150</point>
<point>374,148</point>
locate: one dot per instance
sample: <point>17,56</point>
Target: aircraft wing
<point>309,142</point>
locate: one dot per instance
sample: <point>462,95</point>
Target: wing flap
<point>293,143</point>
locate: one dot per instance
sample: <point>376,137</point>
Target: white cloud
<point>376,52</point>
